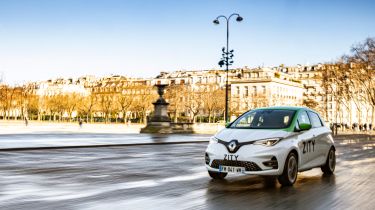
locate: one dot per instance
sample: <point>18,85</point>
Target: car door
<point>304,137</point>
<point>320,147</point>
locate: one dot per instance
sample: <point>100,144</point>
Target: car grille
<point>249,166</point>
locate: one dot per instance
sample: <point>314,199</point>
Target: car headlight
<point>268,142</point>
<point>213,140</point>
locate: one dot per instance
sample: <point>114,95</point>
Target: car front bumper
<point>252,157</point>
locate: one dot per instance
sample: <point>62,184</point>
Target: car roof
<point>295,108</point>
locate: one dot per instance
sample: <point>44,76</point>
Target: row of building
<point>249,88</point>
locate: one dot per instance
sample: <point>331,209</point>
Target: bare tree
<point>88,105</point>
<point>213,100</point>
<point>143,97</point>
<point>362,62</point>
<point>55,106</point>
<point>195,102</point>
<point>106,103</point>
<point>311,103</point>
<point>7,96</point>
<point>125,101</point>
<point>175,96</point>
<point>72,102</point>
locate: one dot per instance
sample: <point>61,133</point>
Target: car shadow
<point>265,192</point>
<point>254,183</point>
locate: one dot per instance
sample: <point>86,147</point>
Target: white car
<point>275,141</point>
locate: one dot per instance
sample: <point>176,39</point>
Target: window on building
<point>255,90</point>
<point>238,90</point>
<point>246,91</point>
<point>264,89</point>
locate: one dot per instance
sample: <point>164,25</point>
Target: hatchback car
<point>274,141</point>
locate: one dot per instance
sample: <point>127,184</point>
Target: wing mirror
<point>304,127</point>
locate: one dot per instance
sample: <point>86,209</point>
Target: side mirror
<point>304,126</point>
<point>227,124</point>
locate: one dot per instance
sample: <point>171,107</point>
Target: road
<point>173,177</point>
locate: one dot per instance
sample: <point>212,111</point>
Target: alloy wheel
<point>292,169</point>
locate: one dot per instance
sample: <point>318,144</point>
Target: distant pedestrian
<point>80,122</point>
<point>365,127</point>
<point>355,126</point>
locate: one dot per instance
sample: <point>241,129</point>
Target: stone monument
<point>160,121</point>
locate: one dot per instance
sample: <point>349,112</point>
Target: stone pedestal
<point>160,121</point>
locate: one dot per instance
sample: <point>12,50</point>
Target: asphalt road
<point>174,177</point>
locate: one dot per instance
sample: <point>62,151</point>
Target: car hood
<point>245,135</point>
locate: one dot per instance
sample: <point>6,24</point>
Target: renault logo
<point>232,145</point>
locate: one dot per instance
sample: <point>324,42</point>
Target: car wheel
<point>289,175</point>
<point>217,175</point>
<point>329,166</point>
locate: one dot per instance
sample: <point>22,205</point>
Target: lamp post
<point>227,59</point>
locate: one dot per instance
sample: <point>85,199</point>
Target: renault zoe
<point>274,141</point>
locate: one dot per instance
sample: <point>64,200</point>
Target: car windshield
<point>265,119</point>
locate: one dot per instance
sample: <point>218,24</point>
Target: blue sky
<point>42,39</point>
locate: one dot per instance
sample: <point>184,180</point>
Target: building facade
<point>264,87</point>
<point>200,93</point>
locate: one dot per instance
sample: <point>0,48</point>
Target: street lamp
<point>227,58</point>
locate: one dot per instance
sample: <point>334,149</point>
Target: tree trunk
<point>194,118</point>
<point>91,117</point>
<point>144,118</point>
<point>175,116</point>
<point>350,116</point>
<point>373,116</point>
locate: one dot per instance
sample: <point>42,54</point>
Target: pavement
<point>14,135</point>
<point>59,140</point>
<point>10,142</point>
<point>45,127</point>
<point>173,176</point>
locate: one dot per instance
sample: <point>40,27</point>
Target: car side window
<point>303,118</point>
<point>315,119</point>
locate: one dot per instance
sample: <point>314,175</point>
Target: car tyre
<point>329,166</point>
<point>289,175</point>
<point>217,175</point>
